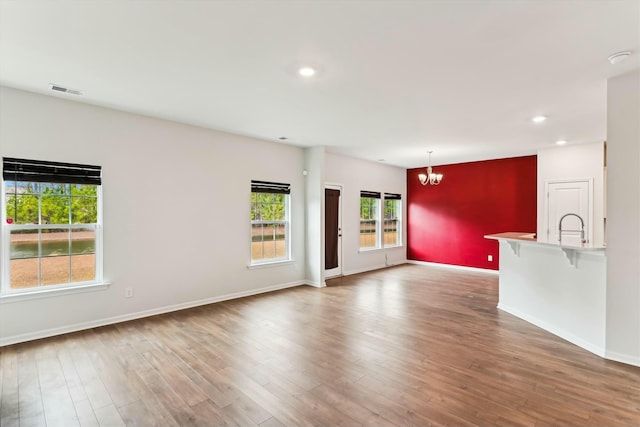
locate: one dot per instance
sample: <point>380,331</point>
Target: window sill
<point>48,293</point>
<point>379,249</point>
<point>270,264</point>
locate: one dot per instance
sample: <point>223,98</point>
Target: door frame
<point>545,211</point>
<point>338,271</point>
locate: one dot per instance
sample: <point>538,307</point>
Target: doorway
<point>332,231</point>
<point>569,196</point>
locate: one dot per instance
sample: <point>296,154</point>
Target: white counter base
<point>567,299</point>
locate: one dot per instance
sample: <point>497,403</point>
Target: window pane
<point>23,244</point>
<point>24,273</point>
<point>84,210</point>
<point>55,261</point>
<point>270,207</point>
<point>27,187</point>
<point>83,241</point>
<point>254,207</point>
<point>54,189</point>
<point>368,208</point>
<point>83,268</point>
<point>391,232</point>
<point>368,235</point>
<point>10,200</point>
<point>268,241</point>
<point>390,209</point>
<point>54,242</point>
<point>84,204</point>
<point>56,270</point>
<point>24,209</point>
<point>279,243</point>
<point>55,209</point>
<point>257,243</point>
<point>368,222</point>
<point>24,259</point>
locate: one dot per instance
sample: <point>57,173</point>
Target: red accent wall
<point>446,223</point>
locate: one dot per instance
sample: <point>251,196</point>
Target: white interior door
<point>565,197</point>
<point>333,231</point>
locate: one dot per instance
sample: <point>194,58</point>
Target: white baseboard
<point>14,339</point>
<point>365,269</point>
<point>315,284</point>
<point>454,267</point>
<point>622,358</point>
<point>565,335</point>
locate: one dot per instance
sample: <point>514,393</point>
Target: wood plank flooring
<point>408,345</point>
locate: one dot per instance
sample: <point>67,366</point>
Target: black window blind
<point>370,194</point>
<point>270,187</point>
<point>392,196</point>
<point>44,171</point>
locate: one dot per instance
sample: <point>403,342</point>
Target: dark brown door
<point>332,232</point>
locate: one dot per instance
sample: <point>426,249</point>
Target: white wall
<point>623,218</point>
<point>355,175</point>
<point>314,163</point>
<point>176,209</point>
<point>573,162</point>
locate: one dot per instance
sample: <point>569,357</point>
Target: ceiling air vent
<point>63,89</point>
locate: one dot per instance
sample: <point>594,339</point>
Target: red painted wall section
<point>446,223</point>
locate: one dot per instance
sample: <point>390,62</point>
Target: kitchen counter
<point>530,238</point>
<point>558,287</point>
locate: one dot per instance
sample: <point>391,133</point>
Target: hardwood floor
<point>409,345</point>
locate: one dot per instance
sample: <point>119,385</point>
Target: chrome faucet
<point>560,230</point>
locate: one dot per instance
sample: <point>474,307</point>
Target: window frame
<point>378,239</point>
<point>287,232</point>
<point>381,200</point>
<point>398,219</point>
<point>5,249</point>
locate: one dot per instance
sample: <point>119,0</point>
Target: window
<point>380,220</point>
<point>51,229</point>
<point>369,223</point>
<point>392,226</point>
<point>269,222</point>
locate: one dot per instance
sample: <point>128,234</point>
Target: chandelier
<point>430,177</point>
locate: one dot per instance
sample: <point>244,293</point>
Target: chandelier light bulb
<point>430,177</point>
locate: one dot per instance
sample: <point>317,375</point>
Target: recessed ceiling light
<point>306,71</point>
<point>561,142</point>
<point>539,119</point>
<point>616,58</point>
<point>381,160</point>
<point>283,138</point>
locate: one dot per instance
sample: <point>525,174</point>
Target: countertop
<point>530,238</point>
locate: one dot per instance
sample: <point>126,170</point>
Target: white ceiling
<point>396,78</point>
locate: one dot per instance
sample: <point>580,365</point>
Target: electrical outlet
<point>489,257</point>
<point>128,292</point>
